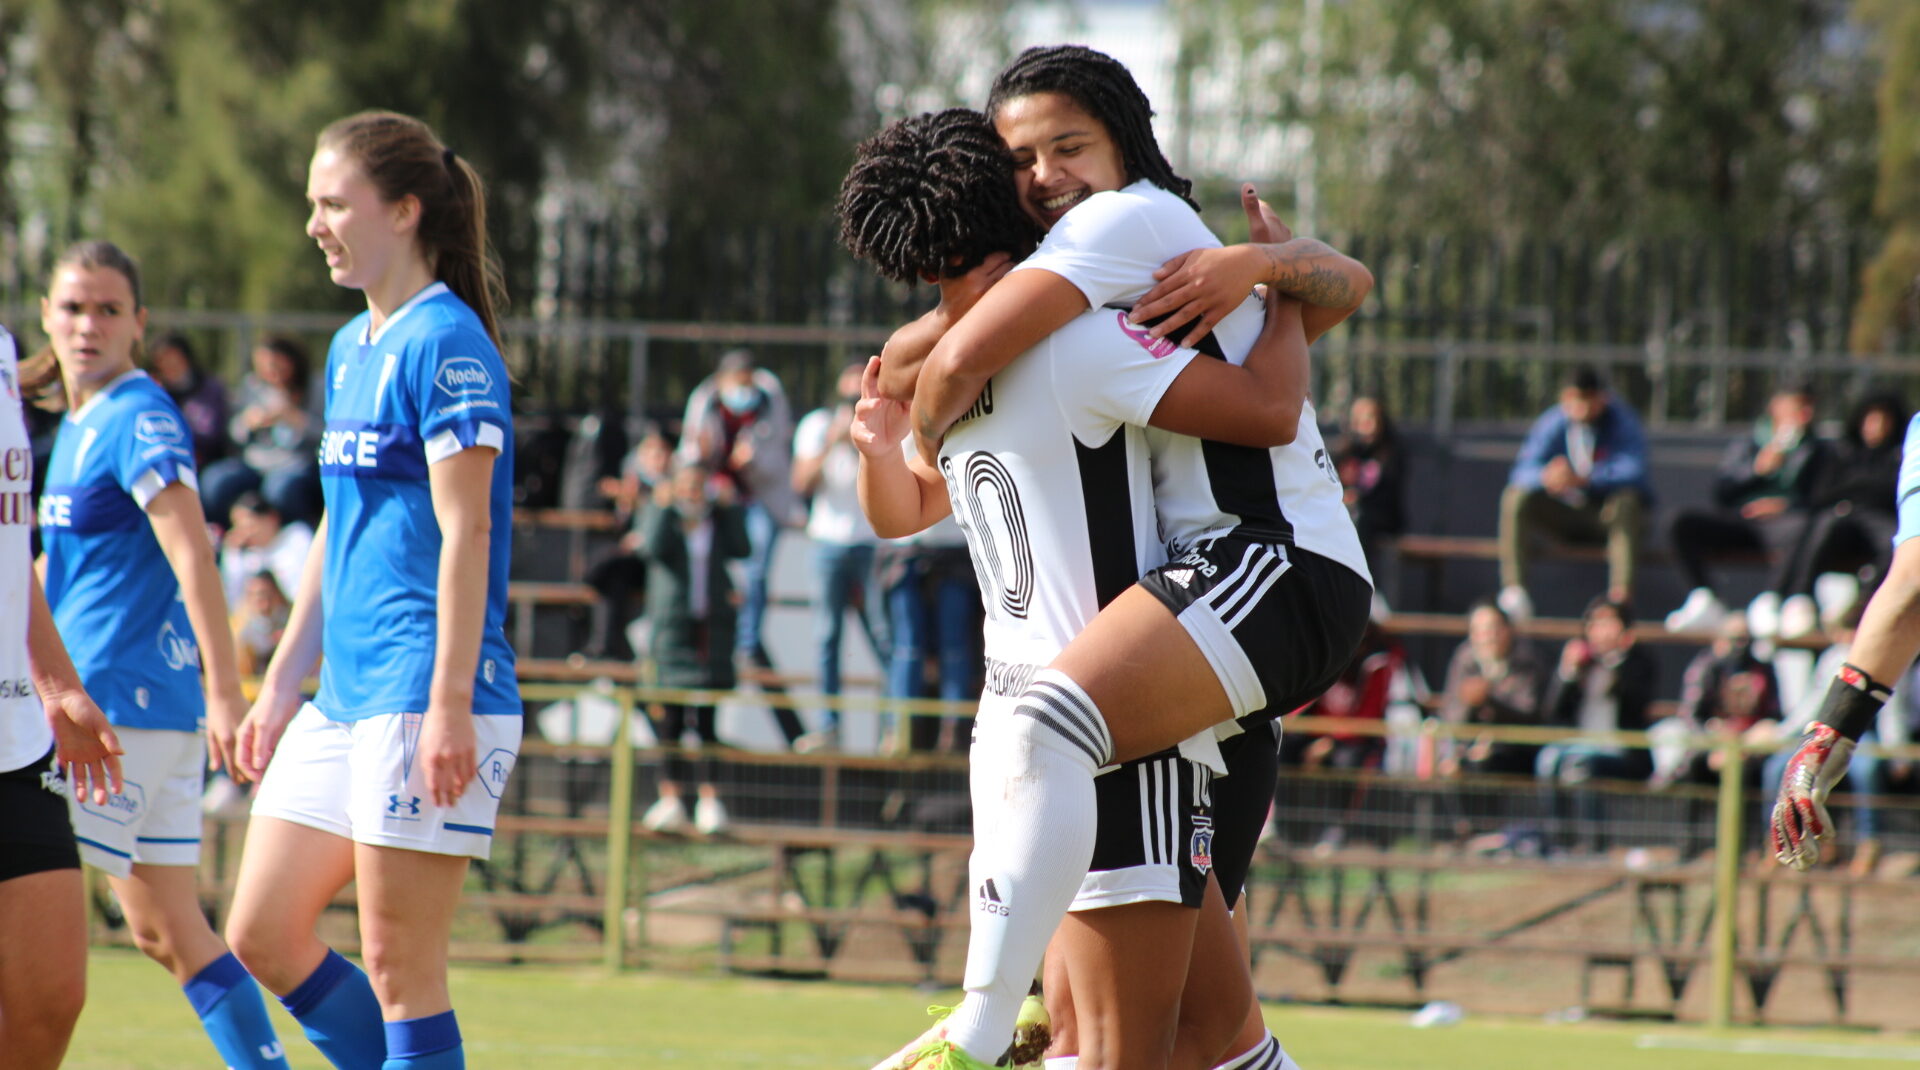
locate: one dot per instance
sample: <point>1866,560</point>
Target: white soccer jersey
<point>24,735</point>
<point>1108,246</point>
<point>1049,481</point>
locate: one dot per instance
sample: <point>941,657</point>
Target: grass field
<point>527,1017</point>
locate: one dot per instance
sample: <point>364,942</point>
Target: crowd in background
<point>703,496</point>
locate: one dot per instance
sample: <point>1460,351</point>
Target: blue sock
<point>336,1008</point>
<point>431,1043</point>
<point>234,1015</point>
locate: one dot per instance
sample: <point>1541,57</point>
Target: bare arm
<point>907,350</point>
<point>1258,404</point>
<point>1013,317</point>
<point>181,529</point>
<point>898,496</point>
<point>1889,635</point>
<point>462,487</point>
<point>293,660</point>
<point>85,745</point>
<point>1209,283</point>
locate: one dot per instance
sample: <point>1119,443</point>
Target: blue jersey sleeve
<point>1909,492</point>
<point>461,393</point>
<point>151,449</point>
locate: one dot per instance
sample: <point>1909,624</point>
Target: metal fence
<point>578,366</point>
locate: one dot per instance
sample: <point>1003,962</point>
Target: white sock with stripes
<point>1266,1055</point>
<point>1033,829</point>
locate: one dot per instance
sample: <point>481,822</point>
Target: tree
<point>1890,291</point>
<point>1601,117</point>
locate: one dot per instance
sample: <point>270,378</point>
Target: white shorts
<point>356,779</point>
<point>155,820</point>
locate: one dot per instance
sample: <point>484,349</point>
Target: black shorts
<point>37,834</point>
<point>1155,838</point>
<point>1277,623</point>
<point>1241,800</point>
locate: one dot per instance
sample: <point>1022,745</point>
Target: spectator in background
<point>1604,684</point>
<point>1852,520</point>
<point>826,468</point>
<point>276,432</point>
<point>259,620</point>
<point>201,397</point>
<point>1493,679</point>
<point>259,540</point>
<point>1868,773</point>
<point>1728,691</point>
<point>1360,694</point>
<point>1581,476</point>
<point>688,533</point>
<point>1761,497</point>
<point>1372,468</point>
<point>619,576</point>
<point>738,425</point>
<point>933,615</point>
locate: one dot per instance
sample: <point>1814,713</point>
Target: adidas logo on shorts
<point>1181,576</point>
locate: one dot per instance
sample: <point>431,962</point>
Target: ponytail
<point>402,157</point>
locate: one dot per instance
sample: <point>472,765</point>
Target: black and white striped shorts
<point>1276,622</point>
<point>1155,838</point>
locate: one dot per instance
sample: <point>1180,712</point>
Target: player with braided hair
<point>1883,649</point>
<point>1059,525</point>
<point>928,198</point>
<point>1267,590</point>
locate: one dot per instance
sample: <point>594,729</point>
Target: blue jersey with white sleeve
<point>113,593</point>
<point>427,386</point>
<point>1909,492</point>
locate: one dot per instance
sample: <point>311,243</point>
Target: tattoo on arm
<point>1297,269</point>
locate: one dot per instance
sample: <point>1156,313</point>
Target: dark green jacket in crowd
<point>680,657</point>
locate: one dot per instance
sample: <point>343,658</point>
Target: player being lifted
<point>391,776</point>
<point>1883,648</point>
<point>1034,417</point>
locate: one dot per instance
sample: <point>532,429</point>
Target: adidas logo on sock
<point>990,901</point>
<point>1181,576</point>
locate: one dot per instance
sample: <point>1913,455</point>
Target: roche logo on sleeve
<point>158,428</point>
<point>462,377</point>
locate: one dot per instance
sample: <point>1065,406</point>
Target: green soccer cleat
<point>1032,1035</point>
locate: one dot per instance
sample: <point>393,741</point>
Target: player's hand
<point>1206,284</point>
<point>260,731</point>
<point>879,423</point>
<point>85,746</point>
<point>225,714</point>
<point>1263,223</point>
<point>1800,821</point>
<point>448,754</point>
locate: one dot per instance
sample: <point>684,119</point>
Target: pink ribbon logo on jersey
<point>1158,347</point>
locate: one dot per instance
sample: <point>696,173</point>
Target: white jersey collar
<point>372,334</point>
<point>81,412</point>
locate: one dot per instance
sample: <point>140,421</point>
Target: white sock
<point>1064,1062</point>
<point>1033,829</point>
<point>1266,1055</point>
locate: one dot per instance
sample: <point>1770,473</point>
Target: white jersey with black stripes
<point>1108,247</point>
<point>24,735</point>
<point>1049,482</point>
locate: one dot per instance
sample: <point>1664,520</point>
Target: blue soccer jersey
<point>114,596</point>
<point>1908,495</point>
<point>428,386</point>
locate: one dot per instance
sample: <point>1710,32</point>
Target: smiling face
<point>92,322</point>
<point>363,237</point>
<point>1061,154</point>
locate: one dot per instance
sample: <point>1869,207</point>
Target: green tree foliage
<point>1595,117</point>
<point>1890,297</point>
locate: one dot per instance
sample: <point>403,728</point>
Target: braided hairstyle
<point>1103,88</point>
<point>931,197</point>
